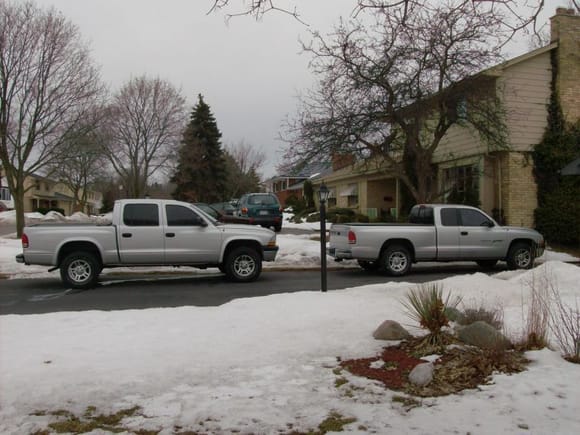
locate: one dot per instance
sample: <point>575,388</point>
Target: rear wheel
<point>243,264</point>
<point>80,270</point>
<point>278,228</point>
<point>396,260</point>
<point>520,256</point>
<point>486,264</point>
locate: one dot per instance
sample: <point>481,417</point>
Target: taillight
<point>24,241</point>
<point>244,210</point>
<point>351,237</point>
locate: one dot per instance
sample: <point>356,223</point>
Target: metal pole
<point>323,245</point>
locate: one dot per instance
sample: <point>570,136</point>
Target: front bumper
<point>20,258</point>
<point>270,253</point>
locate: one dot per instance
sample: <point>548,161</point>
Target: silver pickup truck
<point>148,233</point>
<point>435,233</point>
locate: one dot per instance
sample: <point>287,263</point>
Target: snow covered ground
<point>265,365</point>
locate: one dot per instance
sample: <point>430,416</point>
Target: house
<point>292,184</point>
<point>45,193</point>
<point>502,179</point>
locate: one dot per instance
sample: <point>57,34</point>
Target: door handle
<point>169,234</point>
<point>127,235</point>
<point>464,233</point>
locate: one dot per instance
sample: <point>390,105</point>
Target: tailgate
<point>339,236</point>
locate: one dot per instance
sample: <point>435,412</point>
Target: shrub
<point>425,305</point>
<point>493,317</point>
<point>538,313</point>
<point>559,218</point>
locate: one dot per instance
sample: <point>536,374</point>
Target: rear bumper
<point>340,254</point>
<point>270,221</point>
<point>270,253</point>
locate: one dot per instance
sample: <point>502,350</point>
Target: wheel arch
<point>233,244</point>
<point>402,242</point>
<point>76,246</point>
<point>523,240</point>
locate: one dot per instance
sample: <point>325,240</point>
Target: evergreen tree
<point>201,174</point>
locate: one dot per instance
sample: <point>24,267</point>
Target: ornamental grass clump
<point>427,306</point>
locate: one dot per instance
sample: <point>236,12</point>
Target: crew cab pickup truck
<point>435,233</point>
<point>148,233</point>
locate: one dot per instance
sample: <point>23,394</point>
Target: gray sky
<point>249,72</point>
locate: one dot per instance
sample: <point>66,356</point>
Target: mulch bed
<point>458,368</point>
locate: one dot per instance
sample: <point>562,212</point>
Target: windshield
<point>206,215</point>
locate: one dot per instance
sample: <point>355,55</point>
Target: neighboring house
<point>503,179</point>
<point>292,184</point>
<point>5,196</point>
<point>44,193</point>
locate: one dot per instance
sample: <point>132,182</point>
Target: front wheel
<point>520,256</point>
<point>396,260</point>
<point>243,265</point>
<point>80,270</point>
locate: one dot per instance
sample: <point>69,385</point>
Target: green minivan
<point>261,209</point>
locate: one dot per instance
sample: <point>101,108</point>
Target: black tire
<point>243,264</point>
<point>370,266</point>
<point>486,264</point>
<point>80,270</point>
<point>396,260</point>
<point>277,228</point>
<point>520,256</point>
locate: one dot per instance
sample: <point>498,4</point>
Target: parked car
<point>444,232</point>
<point>261,209</point>
<point>148,233</point>
<point>225,208</point>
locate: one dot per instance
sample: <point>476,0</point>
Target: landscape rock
<point>483,335</point>
<point>422,374</point>
<point>454,314</point>
<point>391,330</point>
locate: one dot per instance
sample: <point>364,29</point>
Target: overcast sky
<point>249,72</point>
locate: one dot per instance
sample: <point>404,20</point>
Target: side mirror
<point>199,222</point>
<point>488,224</point>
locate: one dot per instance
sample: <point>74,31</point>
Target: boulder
<point>483,335</point>
<point>422,374</point>
<point>391,330</point>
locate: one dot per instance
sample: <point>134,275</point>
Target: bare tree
<point>47,83</point>
<point>144,125</point>
<point>388,93</point>
<point>244,165</point>
<point>82,160</point>
<point>518,14</point>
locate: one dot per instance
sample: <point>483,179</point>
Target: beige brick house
<point>504,179</point>
<point>45,193</point>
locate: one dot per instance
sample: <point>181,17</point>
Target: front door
<point>479,238</point>
<point>188,238</point>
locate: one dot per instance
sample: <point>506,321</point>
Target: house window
<point>351,193</point>
<point>331,198</point>
<point>5,194</point>
<point>461,185</point>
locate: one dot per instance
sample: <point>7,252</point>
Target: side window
<point>449,217</point>
<point>179,216</point>
<point>141,215</point>
<point>421,215</point>
<point>472,218</point>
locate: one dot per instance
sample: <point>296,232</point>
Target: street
<point>124,292</point>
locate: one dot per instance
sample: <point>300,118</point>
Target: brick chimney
<point>340,161</point>
<point>565,30</point>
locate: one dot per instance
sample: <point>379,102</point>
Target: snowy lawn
<point>265,365</point>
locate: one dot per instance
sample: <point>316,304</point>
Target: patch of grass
<point>335,422</point>
<point>70,423</point>
<point>340,382</point>
<point>407,402</point>
<point>493,317</point>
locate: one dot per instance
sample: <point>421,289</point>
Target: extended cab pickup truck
<point>435,233</point>
<point>148,233</point>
